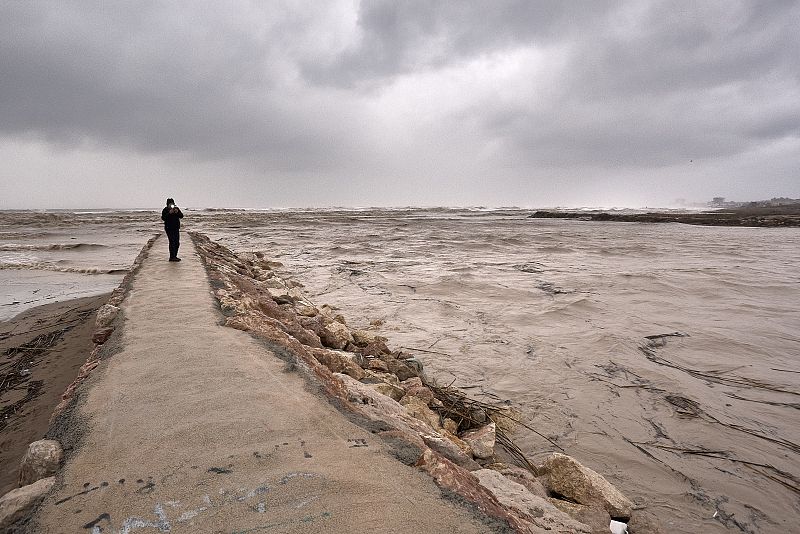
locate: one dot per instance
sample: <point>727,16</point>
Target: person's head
<point>170,201</point>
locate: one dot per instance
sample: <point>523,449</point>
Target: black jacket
<point>172,221</point>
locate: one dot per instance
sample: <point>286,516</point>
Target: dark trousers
<point>174,236</point>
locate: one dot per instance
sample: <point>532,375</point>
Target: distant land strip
<point>777,216</point>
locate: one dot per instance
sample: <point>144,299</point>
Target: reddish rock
<point>402,370</point>
<point>335,335</point>
<point>450,425</point>
<point>101,335</point>
<point>406,446</point>
<point>378,365</point>
<point>458,480</point>
<point>376,349</point>
<point>376,377</point>
<point>333,386</point>
<point>338,362</point>
<point>270,308</point>
<point>414,386</point>
<point>315,324</point>
<point>450,450</point>
<point>596,519</point>
<point>362,338</point>
<point>307,311</point>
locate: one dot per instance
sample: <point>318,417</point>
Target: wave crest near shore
<point>12,247</point>
<point>44,266</point>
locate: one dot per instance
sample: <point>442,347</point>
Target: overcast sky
<point>393,103</point>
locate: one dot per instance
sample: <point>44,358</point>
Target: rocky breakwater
<point>437,429</point>
<point>774,217</point>
<point>43,458</point>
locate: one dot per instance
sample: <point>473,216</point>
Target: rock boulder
<point>335,335</point>
<point>596,519</point>
<point>566,476</point>
<point>521,476</point>
<point>41,460</point>
<point>105,315</point>
<point>338,362</point>
<point>538,511</point>
<point>101,335</point>
<point>482,441</point>
<point>418,409</point>
<point>19,503</point>
<point>390,390</point>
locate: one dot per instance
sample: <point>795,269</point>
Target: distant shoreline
<point>769,217</point>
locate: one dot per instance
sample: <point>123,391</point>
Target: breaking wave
<point>7,247</point>
<point>44,266</point>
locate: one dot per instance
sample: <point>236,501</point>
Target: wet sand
<point>41,351</point>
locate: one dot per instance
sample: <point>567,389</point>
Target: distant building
<point>720,202</point>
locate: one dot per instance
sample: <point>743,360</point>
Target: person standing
<point>171,215</point>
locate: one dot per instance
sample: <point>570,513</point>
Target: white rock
<point>617,527</point>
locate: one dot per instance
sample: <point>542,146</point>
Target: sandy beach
<point>42,350</point>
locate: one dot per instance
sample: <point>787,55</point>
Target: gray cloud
<point>397,97</point>
<point>397,38</point>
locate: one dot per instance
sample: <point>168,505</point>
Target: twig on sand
<point>426,351</point>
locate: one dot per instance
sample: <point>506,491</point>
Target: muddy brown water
<point>552,317</point>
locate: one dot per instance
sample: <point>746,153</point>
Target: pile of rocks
<point>36,479</point>
<point>389,393</point>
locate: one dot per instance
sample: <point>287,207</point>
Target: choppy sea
<point>551,316</point>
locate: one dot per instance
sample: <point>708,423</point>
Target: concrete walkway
<point>195,427</point>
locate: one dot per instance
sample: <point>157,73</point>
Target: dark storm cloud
<point>404,89</point>
<point>705,82</point>
<point>395,38</point>
<point>193,78</point>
